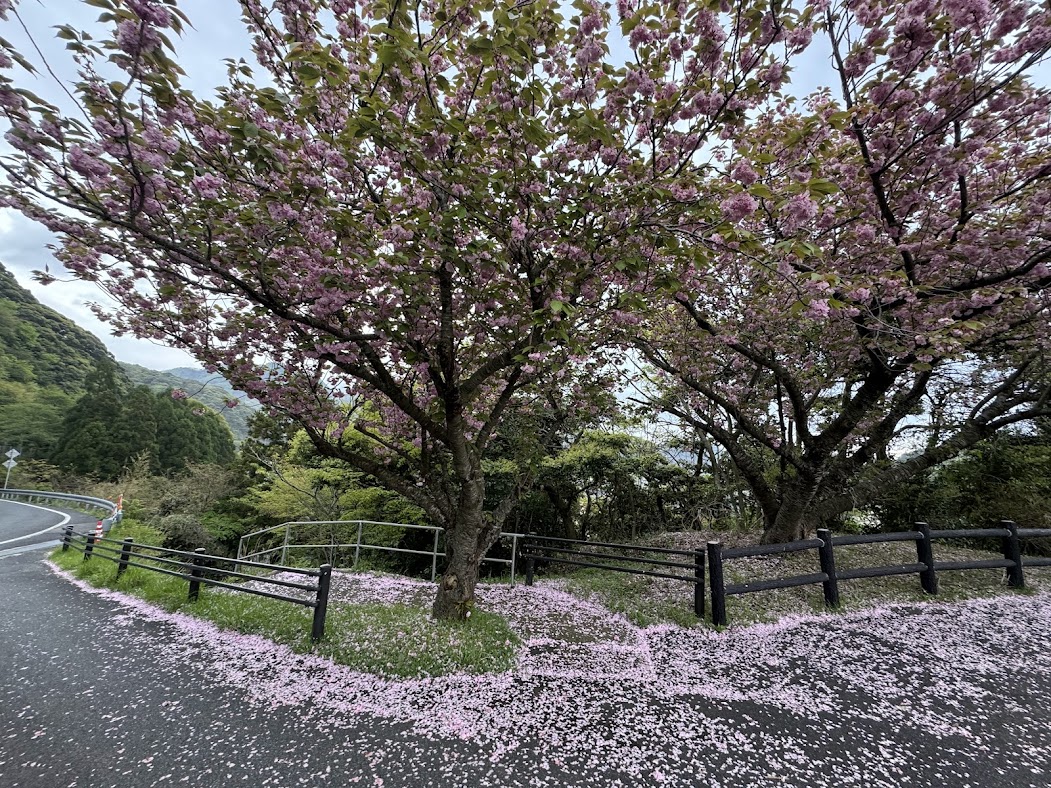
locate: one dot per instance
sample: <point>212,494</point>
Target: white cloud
<point>23,249</point>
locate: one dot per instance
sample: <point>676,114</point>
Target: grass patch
<point>394,641</point>
<point>644,601</point>
<point>399,641</point>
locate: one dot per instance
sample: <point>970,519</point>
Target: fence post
<point>828,566</point>
<point>925,555</point>
<point>125,554</point>
<point>1013,552</point>
<point>357,545</point>
<point>195,573</point>
<point>89,545</point>
<point>284,547</point>
<point>434,556</point>
<point>715,573</point>
<point>514,556</point>
<point>67,537</point>
<point>698,583</point>
<point>324,581</point>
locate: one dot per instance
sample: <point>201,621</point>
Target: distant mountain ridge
<point>205,387</point>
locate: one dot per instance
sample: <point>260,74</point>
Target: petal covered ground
<point>926,694</point>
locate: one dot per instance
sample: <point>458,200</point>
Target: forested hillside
<point>44,360</point>
<point>211,390</point>
<point>38,345</point>
<point>46,363</point>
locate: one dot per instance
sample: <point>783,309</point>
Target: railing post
<point>715,574</point>
<point>284,547</point>
<point>828,565</point>
<point>67,537</point>
<point>434,556</point>
<point>925,555</point>
<point>514,555</point>
<point>195,574</point>
<point>1013,552</point>
<point>89,545</point>
<point>357,545</point>
<point>125,554</point>
<point>324,581</point>
<point>698,583</point>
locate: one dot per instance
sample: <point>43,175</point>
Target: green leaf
<point>535,133</point>
<point>387,53</point>
<point>822,186</point>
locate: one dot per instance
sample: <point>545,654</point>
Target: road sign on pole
<point>12,453</point>
<point>9,465</point>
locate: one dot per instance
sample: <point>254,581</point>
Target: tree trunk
<point>786,522</point>
<point>466,544</point>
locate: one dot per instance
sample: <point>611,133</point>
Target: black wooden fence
<point>611,556</point>
<point>634,559</point>
<point>199,568</point>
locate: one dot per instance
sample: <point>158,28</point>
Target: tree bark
<point>787,522</point>
<point>466,543</point>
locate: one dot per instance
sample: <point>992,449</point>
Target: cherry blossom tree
<point>408,220</point>
<point>881,271</point>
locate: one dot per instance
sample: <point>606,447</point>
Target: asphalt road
<point>30,526</point>
<point>97,691</point>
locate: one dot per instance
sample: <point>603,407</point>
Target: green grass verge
<point>642,600</point>
<point>394,641</point>
<point>403,641</point>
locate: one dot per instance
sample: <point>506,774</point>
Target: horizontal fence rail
<point>556,550</point>
<point>198,568</point>
<point>925,566</point>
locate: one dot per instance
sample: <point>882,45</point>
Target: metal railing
<point>70,501</point>
<point>266,555</point>
<point>613,556</point>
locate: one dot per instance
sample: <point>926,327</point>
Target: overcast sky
<point>217,34</point>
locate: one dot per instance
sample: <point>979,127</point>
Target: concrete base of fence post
<point>67,537</point>
<point>89,545</point>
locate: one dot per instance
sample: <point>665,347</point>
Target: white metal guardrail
<point>267,555</point>
<point>109,509</point>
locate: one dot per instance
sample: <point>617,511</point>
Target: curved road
<point>25,526</point>
<point>97,691</point>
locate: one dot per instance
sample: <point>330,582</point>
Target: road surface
<point>25,526</point>
<point>100,691</point>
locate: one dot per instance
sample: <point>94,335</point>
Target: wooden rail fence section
<point>690,564</point>
<point>199,568</point>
